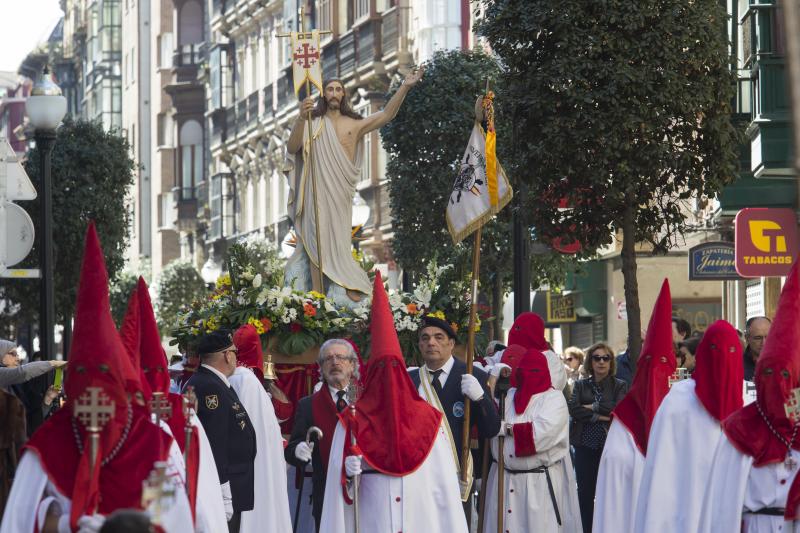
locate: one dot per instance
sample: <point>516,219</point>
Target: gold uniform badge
<point>212,402</point>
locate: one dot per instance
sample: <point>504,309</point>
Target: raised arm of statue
<point>384,116</point>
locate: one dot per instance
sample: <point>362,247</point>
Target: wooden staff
<point>501,465</point>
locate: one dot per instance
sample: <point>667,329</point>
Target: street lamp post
<point>360,216</point>
<point>46,107</point>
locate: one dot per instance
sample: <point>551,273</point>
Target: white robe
<point>737,486</point>
<point>621,467</point>
<point>678,464</point>
<point>33,492</point>
<point>425,501</point>
<point>527,505</point>
<point>271,510</point>
<point>209,507</point>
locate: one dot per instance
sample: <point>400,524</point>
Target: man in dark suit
<point>226,423</point>
<point>338,363</point>
<point>451,384</point>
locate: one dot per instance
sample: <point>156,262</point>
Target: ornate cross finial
<point>189,402</point>
<point>93,409</point>
<point>158,491</point>
<point>160,406</point>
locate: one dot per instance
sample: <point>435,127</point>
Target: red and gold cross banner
<point>306,59</point>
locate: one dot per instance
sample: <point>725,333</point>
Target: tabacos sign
<point>766,242</point>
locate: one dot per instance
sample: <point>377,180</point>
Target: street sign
<point>13,177</point>
<point>16,226</point>
<point>712,261</point>
<point>766,241</point>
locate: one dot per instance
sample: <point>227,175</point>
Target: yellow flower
<point>257,324</point>
<point>437,314</point>
<point>224,281</point>
<point>212,324</point>
<point>317,295</point>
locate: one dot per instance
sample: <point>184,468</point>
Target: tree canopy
<point>92,170</point>
<point>622,116</point>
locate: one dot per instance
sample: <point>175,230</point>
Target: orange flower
<point>412,308</point>
<point>267,323</point>
<point>309,310</point>
<point>454,326</point>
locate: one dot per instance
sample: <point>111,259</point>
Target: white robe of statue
<point>527,505</point>
<point>271,511</point>
<point>736,486</point>
<point>425,501</point>
<point>33,493</point>
<point>621,467</point>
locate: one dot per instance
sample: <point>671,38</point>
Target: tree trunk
<point>631,285</point>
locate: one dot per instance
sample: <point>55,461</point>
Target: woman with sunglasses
<point>590,407</point>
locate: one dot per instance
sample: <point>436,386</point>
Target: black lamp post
<point>46,107</point>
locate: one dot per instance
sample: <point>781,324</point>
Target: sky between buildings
<point>24,24</point>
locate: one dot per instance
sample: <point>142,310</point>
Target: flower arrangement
<point>252,292</point>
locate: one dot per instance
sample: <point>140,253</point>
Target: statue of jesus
<point>337,135</point>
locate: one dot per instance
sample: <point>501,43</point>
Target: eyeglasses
<point>234,350</point>
<point>340,358</point>
<point>604,358</point>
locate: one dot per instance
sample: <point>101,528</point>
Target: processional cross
<point>94,410</point>
<point>157,491</point>
<point>160,408</point>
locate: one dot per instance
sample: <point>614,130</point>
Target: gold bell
<point>269,369</point>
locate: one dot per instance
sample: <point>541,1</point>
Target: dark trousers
<point>234,522</point>
<point>587,463</point>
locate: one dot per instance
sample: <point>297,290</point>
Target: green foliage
<point>425,143</point>
<point>92,172</point>
<point>617,104</point>
<point>255,256</point>
<point>622,110</point>
<point>179,284</point>
<point>120,292</point>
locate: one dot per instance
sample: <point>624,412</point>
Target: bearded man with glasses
<point>590,407</point>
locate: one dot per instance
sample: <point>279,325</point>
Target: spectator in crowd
<point>756,330</point>
<point>686,352</point>
<point>681,330</point>
<point>624,368</point>
<point>29,384</point>
<point>493,347</point>
<point>590,406</point>
<point>573,364</point>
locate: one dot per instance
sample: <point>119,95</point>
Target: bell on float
<point>269,369</point>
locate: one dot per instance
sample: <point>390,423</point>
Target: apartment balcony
<point>241,115</point>
<point>268,100</point>
<point>252,109</point>
<point>184,207</point>
<point>230,122</point>
<point>187,93</point>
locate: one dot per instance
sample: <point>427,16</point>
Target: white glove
<point>303,451</point>
<point>90,524</point>
<point>227,499</point>
<point>352,465</point>
<point>496,369</point>
<point>471,388</point>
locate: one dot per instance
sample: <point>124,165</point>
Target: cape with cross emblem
<point>306,59</point>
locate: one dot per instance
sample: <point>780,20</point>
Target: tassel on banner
<point>491,149</point>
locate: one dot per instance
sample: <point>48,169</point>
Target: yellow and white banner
<point>306,59</point>
<point>470,204</point>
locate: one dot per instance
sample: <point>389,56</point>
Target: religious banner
<point>470,205</point>
<point>306,59</point>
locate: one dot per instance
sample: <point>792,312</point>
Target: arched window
<point>190,23</point>
<point>190,162</point>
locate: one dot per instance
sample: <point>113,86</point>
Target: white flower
<point>257,281</point>
<point>262,296</point>
<point>328,307</point>
<point>423,295</point>
<point>292,313</point>
<point>395,300</point>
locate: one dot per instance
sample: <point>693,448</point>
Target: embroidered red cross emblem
<point>306,55</point>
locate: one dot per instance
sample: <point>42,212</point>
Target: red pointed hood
<point>395,429</point>
<point>95,360</point>
<point>777,373</point>
<point>153,356</point>
<point>651,383</point>
<point>130,333</point>
<point>248,342</point>
<point>719,374</point>
<point>532,376</point>
<point>511,357</point>
<point>528,332</point>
